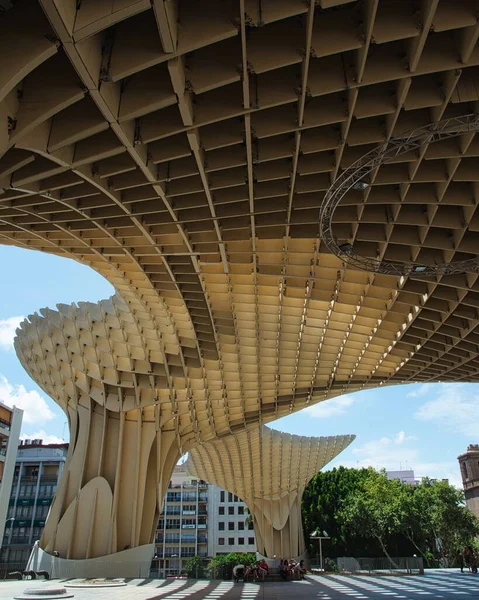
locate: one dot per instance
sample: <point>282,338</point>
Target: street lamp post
<point>9,537</point>
<point>316,535</point>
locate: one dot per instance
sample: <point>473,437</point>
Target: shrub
<point>221,566</point>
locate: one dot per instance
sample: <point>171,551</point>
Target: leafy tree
<point>451,525</point>
<point>375,508</point>
<point>365,514</point>
<point>195,568</point>
<point>415,521</point>
<point>322,501</point>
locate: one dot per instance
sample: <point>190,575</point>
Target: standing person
<point>467,557</point>
<point>473,559</point>
<point>460,560</point>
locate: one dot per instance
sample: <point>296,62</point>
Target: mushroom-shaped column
<point>268,470</point>
<point>113,373</point>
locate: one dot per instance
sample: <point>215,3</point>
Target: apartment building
<point>37,470</point>
<point>182,528</point>
<point>198,519</point>
<point>229,528</point>
<point>10,425</point>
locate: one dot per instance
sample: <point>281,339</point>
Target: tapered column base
<point>134,562</point>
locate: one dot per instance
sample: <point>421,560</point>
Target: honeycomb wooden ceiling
<point>182,149</point>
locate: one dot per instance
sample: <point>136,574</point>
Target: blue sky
<point>424,427</point>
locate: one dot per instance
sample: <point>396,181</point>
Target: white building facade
<point>198,519</point>
<point>404,476</point>
<point>229,529</point>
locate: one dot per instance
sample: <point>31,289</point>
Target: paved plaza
<point>438,584</point>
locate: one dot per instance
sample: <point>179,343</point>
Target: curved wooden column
<point>125,431</point>
<point>114,482</point>
<point>268,470</point>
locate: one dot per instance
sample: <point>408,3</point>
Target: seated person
<point>301,569</point>
<point>263,568</point>
<point>284,570</point>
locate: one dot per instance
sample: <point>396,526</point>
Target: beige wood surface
<point>182,149</point>
<point>269,471</point>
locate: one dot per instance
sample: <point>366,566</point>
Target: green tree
<point>322,501</point>
<point>375,508</point>
<point>195,568</point>
<point>451,525</point>
<point>415,519</point>
<point>366,514</point>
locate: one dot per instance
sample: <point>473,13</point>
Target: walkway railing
<point>347,564</point>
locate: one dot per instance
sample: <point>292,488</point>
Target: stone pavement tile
<point>437,584</point>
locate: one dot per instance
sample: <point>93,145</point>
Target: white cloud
<point>387,453</point>
<point>394,454</point>
<point>401,437</point>
<point>7,331</point>
<point>420,390</point>
<point>453,408</point>
<point>42,435</point>
<point>330,408</point>
<point>35,408</point>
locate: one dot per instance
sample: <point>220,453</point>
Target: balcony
<point>4,427</point>
<point>17,541</point>
<point>189,512</point>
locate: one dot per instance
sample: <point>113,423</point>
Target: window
<point>231,526</point>
<point>241,541</point>
<point>241,526</point>
<point>231,510</point>
<point>231,541</point>
<point>236,499</point>
<point>241,510</point>
<point>222,496</point>
<point>221,541</point>
<point>173,524</point>
<point>251,541</point>
<point>464,468</point>
<point>188,524</point>
<point>250,526</point>
<point>221,510</point>
<point>221,526</point>
<point>230,497</point>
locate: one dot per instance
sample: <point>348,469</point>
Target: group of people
<point>257,571</point>
<point>467,558</point>
<point>290,569</point>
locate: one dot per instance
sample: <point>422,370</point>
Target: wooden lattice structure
<point>182,149</point>
<point>269,471</point>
